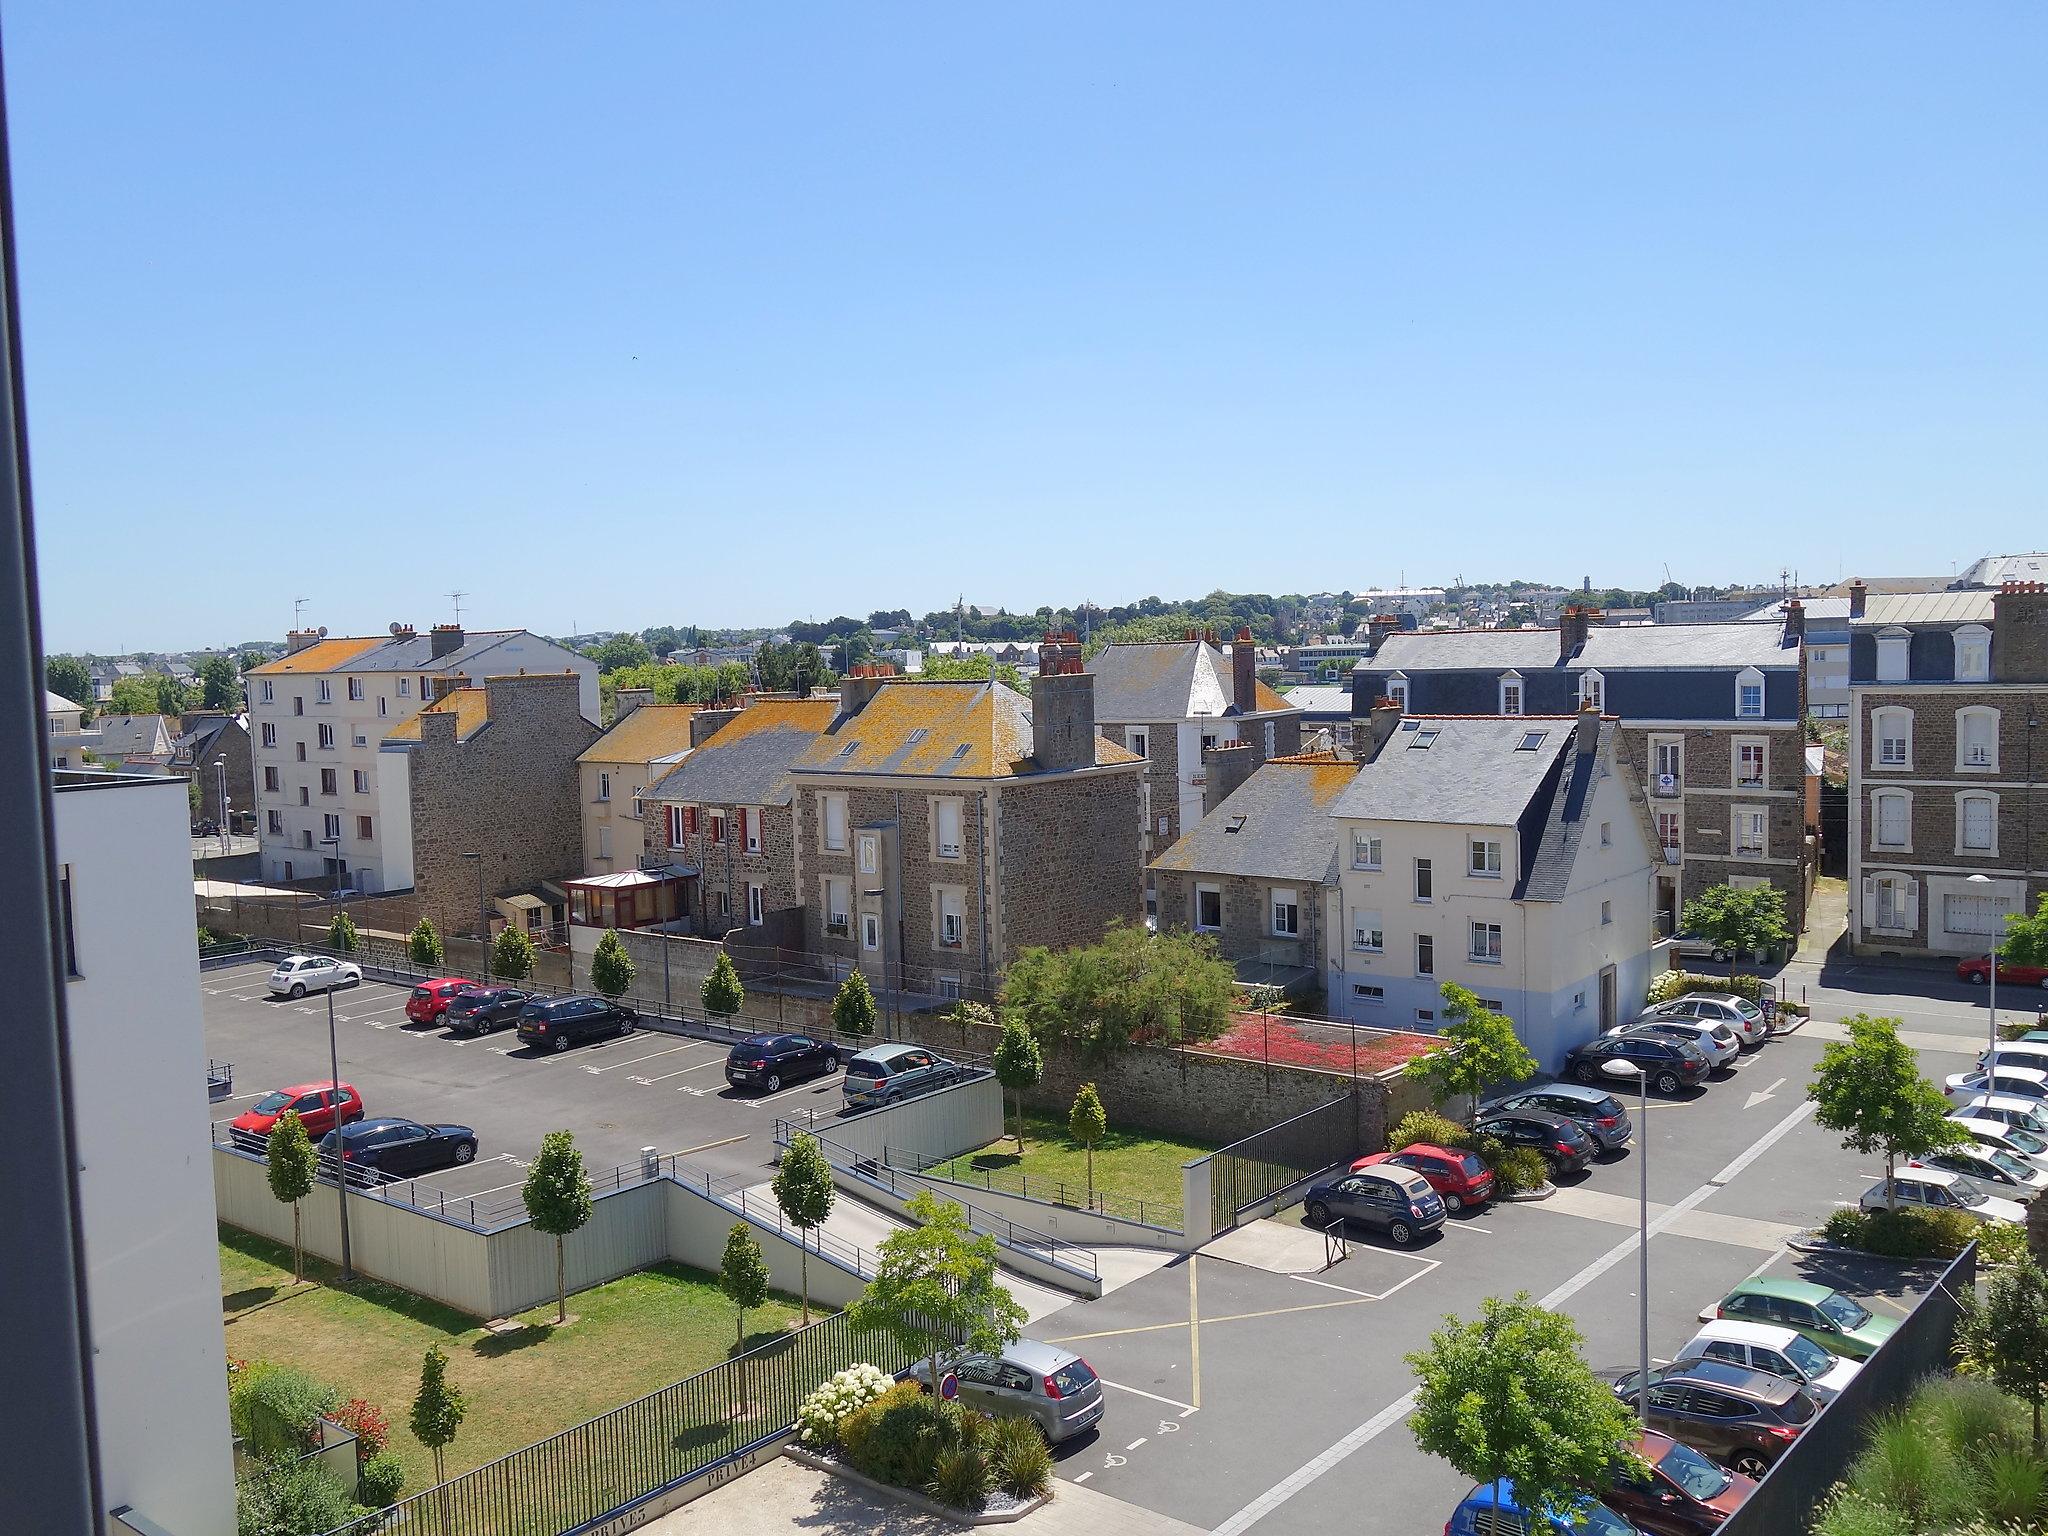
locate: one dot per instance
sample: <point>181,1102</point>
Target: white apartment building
<point>138,1059</point>
<point>317,717</point>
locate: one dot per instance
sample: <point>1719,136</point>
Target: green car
<point>1832,1320</point>
<point>2036,1035</point>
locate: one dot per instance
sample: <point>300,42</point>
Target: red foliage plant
<point>367,1422</point>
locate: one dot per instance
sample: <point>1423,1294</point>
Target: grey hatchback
<point>1055,1390</point>
<point>883,1074</point>
<point>1598,1113</point>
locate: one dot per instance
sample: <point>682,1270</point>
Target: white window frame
<point>830,804</point>
<point>1369,994</point>
<point>405,687</point>
<point>1368,933</point>
<point>383,707</point>
<point>1483,858</point>
<point>324,688</point>
<point>1760,816</point>
<point>1513,697</point>
<point>870,853</point>
<point>639,801</point>
<point>1485,945</point>
<point>1425,941</point>
<point>269,691</point>
<point>355,690</point>
<point>360,779</point>
<point>1367,850</point>
<point>1906,904</point>
<point>1137,738</point>
<point>1397,689</point>
<point>838,906</point>
<point>952,926</point>
<point>1195,917</point>
<point>604,786</point>
<point>1904,797</point>
<point>1677,837</point>
<point>1892,723</point>
<point>870,930</point>
<point>1973,654</point>
<point>1741,747</point>
<point>757,903</point>
<point>1965,717</point>
<point>269,733</point>
<point>941,808</point>
<point>604,840</point>
<point>1894,655</point>
<point>1284,901</point>
<point>1593,691</point>
<point>1964,848</point>
<point>1746,679</point>
<point>1418,878</point>
<point>326,729</point>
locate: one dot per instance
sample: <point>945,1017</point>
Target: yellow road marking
<point>1228,1317</point>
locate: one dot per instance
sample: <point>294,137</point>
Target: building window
<point>674,816</point>
<point>1893,813</point>
<point>1749,694</point>
<point>1592,691</point>
<point>274,823</point>
<point>328,784</point>
<point>1750,824</point>
<point>1484,854</point>
<point>1486,943</point>
<point>270,779</point>
<point>358,739</point>
<point>1136,740</point>
<point>837,905</point>
<point>1976,823</point>
<point>750,829</point>
<point>870,931</point>
<point>1286,915</point>
<point>326,691</point>
<point>724,903</point>
<point>948,842</point>
<point>1425,881</point>
<point>1426,1016</point>
<point>326,737</point>
<point>1397,690</point>
<point>604,840</point>
<point>1667,765</point>
<point>1892,729</point>
<point>947,984</point>
<point>951,905</point>
<point>1511,695</point>
<point>383,706</point>
<point>1749,764</point>
<point>1667,831</point>
<point>1208,908</point>
<point>363,828</point>
<point>269,692</point>
<point>1980,915</point>
<point>1893,646</point>
<point>639,801</point>
<point>604,786</point>
<point>1365,851</point>
<point>1369,994</point>
<point>1606,913</point>
<point>1894,902</point>
<point>832,823</point>
<point>355,690</point>
<point>757,903</point>
<point>1367,935</point>
<point>299,750</point>
<point>1973,654</point>
<point>1606,834</point>
<point>870,853</point>
<point>405,687</point>
<point>269,734</point>
<point>714,827</point>
<point>330,826</point>
<point>426,686</point>
<point>1977,738</point>
<point>1425,954</point>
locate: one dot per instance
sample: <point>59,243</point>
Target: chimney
<point>1244,672</point>
<point>296,640</point>
<point>631,699</point>
<point>1225,767</point>
<point>861,684</point>
<point>1192,635</point>
<point>2019,632</point>
<point>1586,734</point>
<point>1858,595</point>
<point>1572,625</point>
<point>1795,621</point>
<point>447,638</point>
<point>707,723</point>
<point>1380,725</point>
<point>1377,628</point>
<point>1063,717</point>
<point>446,684</point>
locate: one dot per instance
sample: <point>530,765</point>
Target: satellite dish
<point>323,631</point>
<point>397,628</point>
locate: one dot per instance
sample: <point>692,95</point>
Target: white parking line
<point>648,1082</point>
<point>812,1086</point>
<point>648,1057</point>
<point>1185,1408</point>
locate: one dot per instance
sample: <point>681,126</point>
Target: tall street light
<point>1615,1067</point>
<point>483,922</point>
<point>220,774</point>
<point>1995,945</point>
<point>334,1081</point>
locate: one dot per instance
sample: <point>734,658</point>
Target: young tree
<point>1019,1066</point>
<point>1481,1049</point>
<point>557,1197</point>
<point>611,968</point>
<point>66,677</point>
<point>803,1188</point>
<point>423,945</point>
<point>220,685</point>
<point>1739,921</point>
<point>511,955</point>
<point>935,1284</point>
<point>1128,985</point>
<point>437,1409</point>
<point>1869,1088</point>
<point>2026,937</point>
<point>293,1164</point>
<point>722,994</point>
<point>1088,1124</point>
<point>341,934</point>
<point>1508,1397</point>
<point>743,1276</point>
<point>2005,1336</point>
<point>853,1007</point>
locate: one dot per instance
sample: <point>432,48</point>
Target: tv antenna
<point>456,598</point>
<point>298,608</point>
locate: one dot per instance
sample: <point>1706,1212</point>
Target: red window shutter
<point>746,828</point>
<point>689,820</point>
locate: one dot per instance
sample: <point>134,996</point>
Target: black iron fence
<point>1790,1495</point>
<point>683,1431</point>
<point>1270,1162</point>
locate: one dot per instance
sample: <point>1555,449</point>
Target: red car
<point>430,999</point>
<point>315,1103</point>
<point>1977,971</point>
<point>1460,1177</point>
<point>1684,1495</point>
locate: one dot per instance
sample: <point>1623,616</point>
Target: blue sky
<point>634,314</point>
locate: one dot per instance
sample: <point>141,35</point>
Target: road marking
<point>1227,1317</point>
<point>1194,1336</point>
<point>706,1146</point>
<point>650,1056</point>
<point>1757,1098</point>
<point>815,1085</point>
<point>1326,1285</point>
<point>1136,1443</point>
<point>1186,1408</point>
<point>1465,1226</point>
<point>649,1082</point>
<point>1084,1477</point>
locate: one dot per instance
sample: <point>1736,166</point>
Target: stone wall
<point>1066,865</point>
<point>728,868</point>
<point>1247,916</point>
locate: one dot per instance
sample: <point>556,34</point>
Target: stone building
<point>208,742</point>
<point>644,745</point>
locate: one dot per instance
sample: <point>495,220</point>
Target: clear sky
<point>631,314</point>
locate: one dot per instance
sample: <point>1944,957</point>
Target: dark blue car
<point>1481,1514</point>
<point>1395,1201</point>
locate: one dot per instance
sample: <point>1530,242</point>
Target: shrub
<point>1844,1227</point>
<point>379,1480</point>
<point>1019,1459</point>
<point>1669,984</point>
<point>960,1477</point>
<point>1521,1169</point>
<point>2001,1243</point>
<point>1905,1469</point>
<point>857,1429</point>
<point>1923,1234</point>
<point>901,1448</point>
<point>274,1408</point>
<point>1970,1415</point>
<point>367,1422</point>
<point>1428,1126</point>
<point>1849,1513</point>
<point>2011,1486</point>
<point>825,1410</point>
<point>283,1497</point>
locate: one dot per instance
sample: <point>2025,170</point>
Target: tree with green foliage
<point>853,1007</point>
<point>1740,921</point>
<point>1088,1123</point>
<point>611,968</point>
<point>1481,1049</point>
<point>1020,1064</point>
<point>512,955</point>
<point>293,1164</point>
<point>620,651</point>
<point>803,1189</point>
<point>2004,1335</point>
<point>66,677</point>
<point>743,1276</point>
<point>423,945</point>
<point>2026,936</point>
<point>341,934</point>
<point>220,685</point>
<point>557,1197</point>
<point>1128,986</point>
<point>283,1496</point>
<point>1870,1089</point>
<point>722,994</point>
<point>977,668</point>
<point>437,1409</point>
<point>935,1286</point>
<point>1509,1397</point>
<point>153,693</point>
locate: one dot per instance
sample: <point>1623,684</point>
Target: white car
<point>1778,1351</point>
<point>2027,1114</point>
<point>1999,1172</point>
<point>1936,1189</point>
<point>296,975</point>
<point>2011,1082</point>
<point>2015,1053</point>
<point>1717,1042</point>
<point>1738,1013</point>
<point>2013,1140</point>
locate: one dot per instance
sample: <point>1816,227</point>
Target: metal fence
<point>682,1431</point>
<point>1269,1162</point>
<point>959,1169</point>
<point>1785,1503</point>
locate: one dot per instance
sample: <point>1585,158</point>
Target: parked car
<point>296,975</point>
<point>1672,1064</point>
<point>883,1074</point>
<point>1458,1176</point>
<point>1681,1493</point>
<point>1744,1419</point>
<point>482,1010</point>
<point>430,999</point>
<point>1491,1509</point>
<point>1394,1201</point>
<point>1977,971</point>
<point>1599,1113</point>
<point>1936,1189</point>
<point>1732,1009</point>
<point>2008,1109</point>
<point>2012,1082</point>
<point>769,1061</point>
<point>1832,1320</point>
<point>2014,1053</point>
<point>1056,1390</point>
<point>1771,1347</point>
<point>315,1102</point>
<point>1995,1171</point>
<point>399,1148</point>
<point>2014,1140</point>
<point>566,1021</point>
<point>1694,946</point>
<point>1716,1041</point>
<point>1563,1143</point>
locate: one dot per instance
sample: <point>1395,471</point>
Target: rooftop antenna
<point>960,619</point>
<point>298,608</point>
<point>456,598</point>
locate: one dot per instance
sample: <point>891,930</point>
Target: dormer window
<point>1511,693</point>
<point>1892,663</point>
<point>1749,694</point>
<point>1397,689</point>
<point>1973,654</point>
<point>1593,692</point>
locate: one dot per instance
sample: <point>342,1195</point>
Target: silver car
<point>1738,1013</point>
<point>883,1074</point>
<point>1057,1391</point>
<point>296,975</point>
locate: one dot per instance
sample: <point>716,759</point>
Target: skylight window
<point>1531,740</point>
<point>1410,725</point>
<point>1235,824</point>
<point>918,735</point>
<point>849,749</point>
<point>960,751</point>
<point>1423,741</point>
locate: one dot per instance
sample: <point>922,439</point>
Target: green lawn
<point>630,1337</point>
<point>1130,1166</point>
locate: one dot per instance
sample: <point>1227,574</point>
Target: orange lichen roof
<point>1327,778</point>
<point>1325,756</point>
<point>775,715</point>
<point>651,731</point>
<point>1108,753</point>
<point>321,656</point>
<point>1264,698</point>
<point>954,730</point>
<point>469,706</point>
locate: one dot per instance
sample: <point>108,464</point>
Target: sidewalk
<point>781,1496</point>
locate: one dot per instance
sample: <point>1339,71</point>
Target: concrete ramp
<point>1279,1247</point>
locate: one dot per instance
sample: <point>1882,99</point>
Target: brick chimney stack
<point>1795,621</point>
<point>1586,733</point>
<point>296,640</point>
<point>1063,708</point>
<point>2019,632</point>
<point>1572,626</point>
<point>446,638</point>
<point>1244,671</point>
<point>1059,651</point>
<point>1225,767</point>
<point>1377,628</point>
<point>1381,724</point>
<point>1859,594</point>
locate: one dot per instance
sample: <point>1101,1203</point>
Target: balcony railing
<point>838,928</point>
<point>1673,855</point>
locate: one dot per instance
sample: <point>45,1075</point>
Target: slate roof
<point>1927,608</point>
<point>130,735</point>
<point>1275,826</point>
<point>1547,872</point>
<point>1470,774</point>
<point>1824,610</point>
<point>388,653</point>
<point>748,761</point>
<point>1481,650</point>
<point>1158,680</point>
<point>947,730</point>
<point>1666,647</point>
<point>647,735</point>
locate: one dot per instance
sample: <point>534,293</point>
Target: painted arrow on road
<point>1757,1098</point>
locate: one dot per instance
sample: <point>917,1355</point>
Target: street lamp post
<point>334,1084</point>
<point>483,923</point>
<point>1995,944</point>
<point>1617,1068</point>
<point>220,774</point>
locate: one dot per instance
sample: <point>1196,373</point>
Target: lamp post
<point>1617,1068</point>
<point>334,1083</point>
<point>220,775</point>
<point>483,923</point>
<point>1993,968</point>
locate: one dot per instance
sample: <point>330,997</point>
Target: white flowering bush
<point>825,1409</point>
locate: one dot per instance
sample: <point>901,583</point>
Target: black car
<point>1563,1143</point>
<point>481,1010</point>
<point>768,1061</point>
<point>398,1149</point>
<point>1672,1064</point>
<point>567,1021</point>
<point>1396,1201</point>
<point>1742,1418</point>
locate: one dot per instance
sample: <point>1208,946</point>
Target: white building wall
<point>394,813</point>
<point>138,1058</point>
